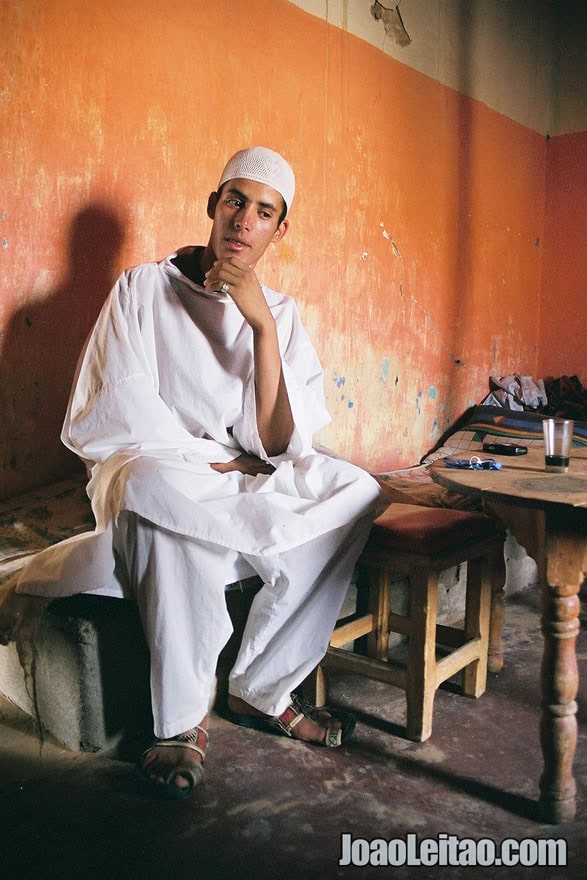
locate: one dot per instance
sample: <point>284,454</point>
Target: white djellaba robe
<point>165,386</point>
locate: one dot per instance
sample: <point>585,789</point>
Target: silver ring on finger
<point>225,288</point>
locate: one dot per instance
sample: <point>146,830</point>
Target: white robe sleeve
<point>303,378</point>
<point>115,403</point>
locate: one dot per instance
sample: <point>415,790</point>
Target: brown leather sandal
<point>297,710</point>
<point>197,740</point>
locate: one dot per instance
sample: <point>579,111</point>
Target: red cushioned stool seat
<point>422,542</point>
<point>410,528</point>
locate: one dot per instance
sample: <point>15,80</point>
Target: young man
<point>194,407</point>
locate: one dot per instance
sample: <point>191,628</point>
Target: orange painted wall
<point>416,242</point>
<point>563,328</point>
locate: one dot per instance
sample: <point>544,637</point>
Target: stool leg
<point>421,687</point>
<point>495,662</point>
<point>363,585</point>
<point>378,603</point>
<point>314,687</point>
<point>477,615</point>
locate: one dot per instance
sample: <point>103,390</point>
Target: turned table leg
<point>565,548</point>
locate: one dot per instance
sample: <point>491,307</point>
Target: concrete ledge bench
<point>64,668</point>
<point>80,668</point>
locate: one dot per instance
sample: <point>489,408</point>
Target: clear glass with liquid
<point>558,436</point>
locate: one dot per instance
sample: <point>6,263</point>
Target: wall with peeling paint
<point>500,52</point>
<point>417,243</point>
<point>563,322</point>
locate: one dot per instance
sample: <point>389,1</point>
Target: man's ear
<point>212,202</point>
<point>281,230</point>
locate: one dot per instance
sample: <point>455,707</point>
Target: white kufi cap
<point>264,166</point>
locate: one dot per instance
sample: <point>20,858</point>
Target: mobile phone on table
<point>505,449</point>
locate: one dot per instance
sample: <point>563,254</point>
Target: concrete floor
<point>272,808</point>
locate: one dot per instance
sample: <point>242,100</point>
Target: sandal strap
<point>198,735</point>
<point>163,743</point>
<point>196,739</point>
<point>297,710</point>
<point>290,717</point>
<point>333,737</point>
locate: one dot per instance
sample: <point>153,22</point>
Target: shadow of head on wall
<point>40,350</point>
<point>96,238</point>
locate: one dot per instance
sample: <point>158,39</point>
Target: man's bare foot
<point>174,765</point>
<point>314,728</point>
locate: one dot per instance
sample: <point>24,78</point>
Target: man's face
<point>246,220</point>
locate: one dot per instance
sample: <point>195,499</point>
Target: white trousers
<point>179,586</point>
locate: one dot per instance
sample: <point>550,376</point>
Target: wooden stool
<point>421,542</point>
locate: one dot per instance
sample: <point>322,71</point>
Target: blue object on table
<point>475,463</point>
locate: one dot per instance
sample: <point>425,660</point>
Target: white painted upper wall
<point>523,58</point>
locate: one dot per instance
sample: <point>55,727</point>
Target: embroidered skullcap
<point>264,166</point>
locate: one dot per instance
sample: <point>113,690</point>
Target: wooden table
<point>548,515</point>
